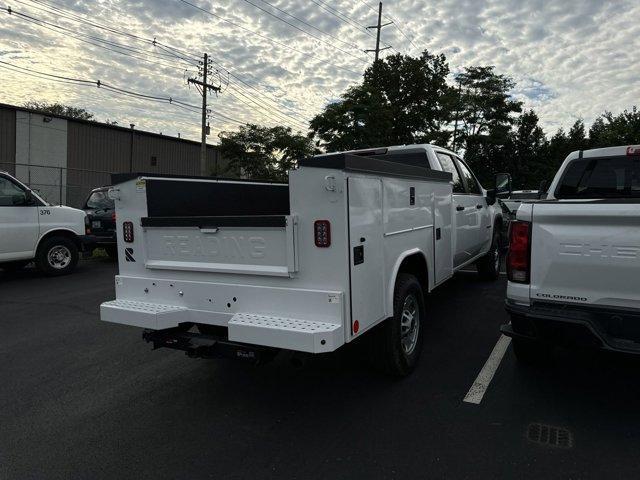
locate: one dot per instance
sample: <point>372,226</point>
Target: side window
<point>449,166</point>
<point>11,195</point>
<point>470,181</point>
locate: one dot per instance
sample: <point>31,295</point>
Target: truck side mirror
<point>503,185</point>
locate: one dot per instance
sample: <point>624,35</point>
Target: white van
<point>33,230</point>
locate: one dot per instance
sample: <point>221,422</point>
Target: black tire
<point>57,256</point>
<point>532,353</point>
<point>112,251</point>
<point>397,349</point>
<point>489,265</point>
<point>14,266</point>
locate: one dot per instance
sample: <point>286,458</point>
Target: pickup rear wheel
<point>400,338</point>
<point>489,265</point>
<point>57,256</point>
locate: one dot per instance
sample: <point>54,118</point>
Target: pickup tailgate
<point>256,245</point>
<point>586,252</point>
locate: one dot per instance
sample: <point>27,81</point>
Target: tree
<point>484,115</point>
<point>485,104</point>
<point>609,130</point>
<point>262,152</point>
<point>59,109</point>
<point>528,159</point>
<point>402,99</point>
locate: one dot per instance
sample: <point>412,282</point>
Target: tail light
<point>322,233</point>
<point>127,231</point>
<point>113,216</point>
<point>519,257</point>
<point>87,226</point>
<point>634,150</point>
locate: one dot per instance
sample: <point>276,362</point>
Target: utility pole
<point>378,27</point>
<point>204,86</point>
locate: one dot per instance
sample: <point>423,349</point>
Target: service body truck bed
<point>306,266</point>
<point>575,258</point>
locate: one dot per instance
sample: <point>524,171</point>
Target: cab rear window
<point>606,177</point>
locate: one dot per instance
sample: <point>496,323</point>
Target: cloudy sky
<point>571,59</point>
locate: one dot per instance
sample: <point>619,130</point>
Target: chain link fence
<point>58,185</point>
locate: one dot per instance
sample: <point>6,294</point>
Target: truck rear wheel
<point>57,256</point>
<point>489,266</point>
<point>400,337</point>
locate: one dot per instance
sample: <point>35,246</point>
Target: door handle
<point>479,206</point>
<point>459,208</point>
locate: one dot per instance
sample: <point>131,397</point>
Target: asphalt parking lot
<point>84,399</point>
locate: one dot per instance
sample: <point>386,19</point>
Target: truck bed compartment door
<point>366,251</point>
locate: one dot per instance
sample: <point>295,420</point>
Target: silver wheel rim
<point>59,257</point>
<point>409,324</point>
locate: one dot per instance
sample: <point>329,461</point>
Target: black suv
<point>101,221</point>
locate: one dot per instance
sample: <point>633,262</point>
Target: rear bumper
<point>287,318</point>
<point>605,328</point>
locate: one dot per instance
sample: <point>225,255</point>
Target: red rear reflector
<point>519,257</point>
<point>322,233</point>
<point>127,231</point>
<point>356,326</point>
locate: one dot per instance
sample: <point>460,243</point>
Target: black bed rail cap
<point>394,164</point>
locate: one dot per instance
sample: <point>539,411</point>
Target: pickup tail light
<point>633,150</point>
<point>127,231</point>
<point>519,257</point>
<point>322,233</point>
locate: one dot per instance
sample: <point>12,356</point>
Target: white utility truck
<point>33,230</point>
<point>351,243</point>
<point>574,258</point>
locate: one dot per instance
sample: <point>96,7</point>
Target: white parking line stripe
<point>476,392</point>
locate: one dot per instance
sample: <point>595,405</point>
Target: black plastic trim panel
<point>397,165</point>
<point>214,222</point>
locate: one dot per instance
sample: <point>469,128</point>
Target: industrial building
<point>64,158</point>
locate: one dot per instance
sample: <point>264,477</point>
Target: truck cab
<point>33,230</point>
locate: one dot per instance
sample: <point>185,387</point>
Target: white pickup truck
<point>33,230</point>
<point>349,246</point>
<point>574,259</point>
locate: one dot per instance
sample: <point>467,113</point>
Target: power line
<point>352,45</point>
<point>53,7</point>
<point>345,18</point>
<point>264,37</point>
<point>95,83</point>
<point>125,50</point>
<point>304,31</point>
<point>54,27</point>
